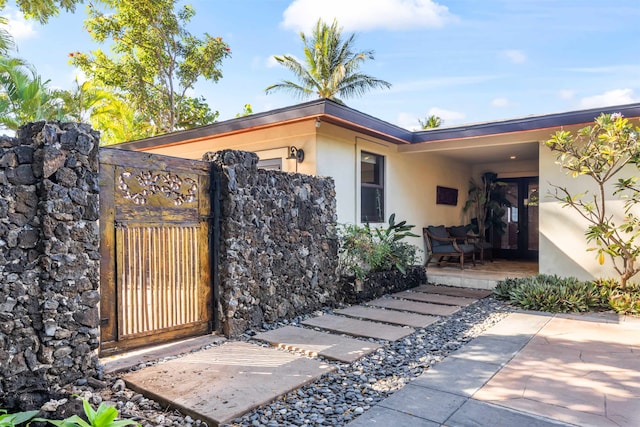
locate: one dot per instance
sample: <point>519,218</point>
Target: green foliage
<point>104,416</point>
<point>11,420</point>
<point>601,152</point>
<point>431,122</point>
<point>486,202</point>
<point>330,68</point>
<point>551,293</point>
<point>42,10</point>
<point>24,96</point>
<point>154,60</point>
<point>364,249</point>
<point>623,300</point>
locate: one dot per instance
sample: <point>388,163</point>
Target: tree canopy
<point>42,10</point>
<point>330,68</point>
<point>154,61</point>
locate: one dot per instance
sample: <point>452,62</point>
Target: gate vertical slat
<point>161,284</point>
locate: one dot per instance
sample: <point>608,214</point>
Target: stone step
<point>435,298</point>
<point>359,328</point>
<point>388,316</point>
<point>314,343</point>
<point>453,291</point>
<point>222,383</point>
<point>414,306</point>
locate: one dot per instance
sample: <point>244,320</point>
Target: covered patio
<point>482,275</point>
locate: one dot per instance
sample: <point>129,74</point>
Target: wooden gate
<point>155,261</point>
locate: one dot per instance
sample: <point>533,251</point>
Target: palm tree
<point>24,97</point>
<point>330,67</point>
<point>431,122</point>
<point>6,41</point>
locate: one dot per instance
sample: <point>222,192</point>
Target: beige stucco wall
<point>410,179</point>
<point>267,143</point>
<point>562,230</point>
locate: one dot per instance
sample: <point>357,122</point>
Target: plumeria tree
<point>602,151</point>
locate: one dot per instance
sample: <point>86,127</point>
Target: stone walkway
<point>531,369</point>
<point>224,382</point>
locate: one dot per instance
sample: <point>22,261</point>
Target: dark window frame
<point>378,187</point>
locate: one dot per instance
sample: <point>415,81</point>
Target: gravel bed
<point>334,400</point>
<point>339,397</point>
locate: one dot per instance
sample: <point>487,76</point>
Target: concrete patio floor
<point>531,369</point>
<point>483,275</point>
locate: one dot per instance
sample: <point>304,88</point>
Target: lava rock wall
<point>49,260</point>
<point>278,242</point>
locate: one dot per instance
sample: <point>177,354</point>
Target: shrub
<point>11,420</point>
<point>551,293</point>
<point>364,249</point>
<point>623,300</point>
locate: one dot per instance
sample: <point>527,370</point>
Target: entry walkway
<point>529,370</point>
<point>223,383</point>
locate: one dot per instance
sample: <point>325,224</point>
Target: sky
<point>466,61</point>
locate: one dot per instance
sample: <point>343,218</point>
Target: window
<point>371,187</point>
<point>270,164</point>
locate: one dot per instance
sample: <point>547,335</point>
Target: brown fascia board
<point>524,124</point>
<point>324,109</point>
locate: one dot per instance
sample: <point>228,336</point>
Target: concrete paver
<point>453,291</point>
<point>578,372</point>
<point>533,369</point>
<point>221,383</point>
<point>474,413</point>
<point>318,343</point>
<point>490,349</point>
<point>432,405</point>
<point>415,306</point>
<point>388,316</point>
<point>435,298</point>
<point>457,376</point>
<point>385,417</point>
<point>359,328</point>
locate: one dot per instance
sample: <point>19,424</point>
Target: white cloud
<point>448,117</point>
<point>567,94</point>
<point>356,15</point>
<point>515,56</point>
<point>612,97</point>
<point>411,121</point>
<point>20,28</point>
<point>501,102</point>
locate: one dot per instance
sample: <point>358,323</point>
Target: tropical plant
<point>486,202</point>
<point>24,96</point>
<point>42,10</point>
<point>6,41</point>
<point>364,249</point>
<point>330,68</point>
<point>601,151</point>
<point>155,60</point>
<point>551,293</point>
<point>430,122</point>
<point>104,416</point>
<point>11,420</point>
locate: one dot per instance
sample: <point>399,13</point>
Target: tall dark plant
<point>486,203</point>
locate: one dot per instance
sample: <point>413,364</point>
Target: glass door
<point>518,238</point>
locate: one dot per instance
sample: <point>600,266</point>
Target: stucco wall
<point>562,240</point>
<point>410,180</point>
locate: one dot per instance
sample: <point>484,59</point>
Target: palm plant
<point>330,67</point>
<point>24,96</point>
<point>432,121</point>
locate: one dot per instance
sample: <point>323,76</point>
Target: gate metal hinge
<point>104,322</point>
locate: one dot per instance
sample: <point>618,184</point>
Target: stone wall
<point>49,260</point>
<point>381,283</point>
<point>278,254</point>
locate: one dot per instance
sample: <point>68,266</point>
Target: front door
<point>520,237</point>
